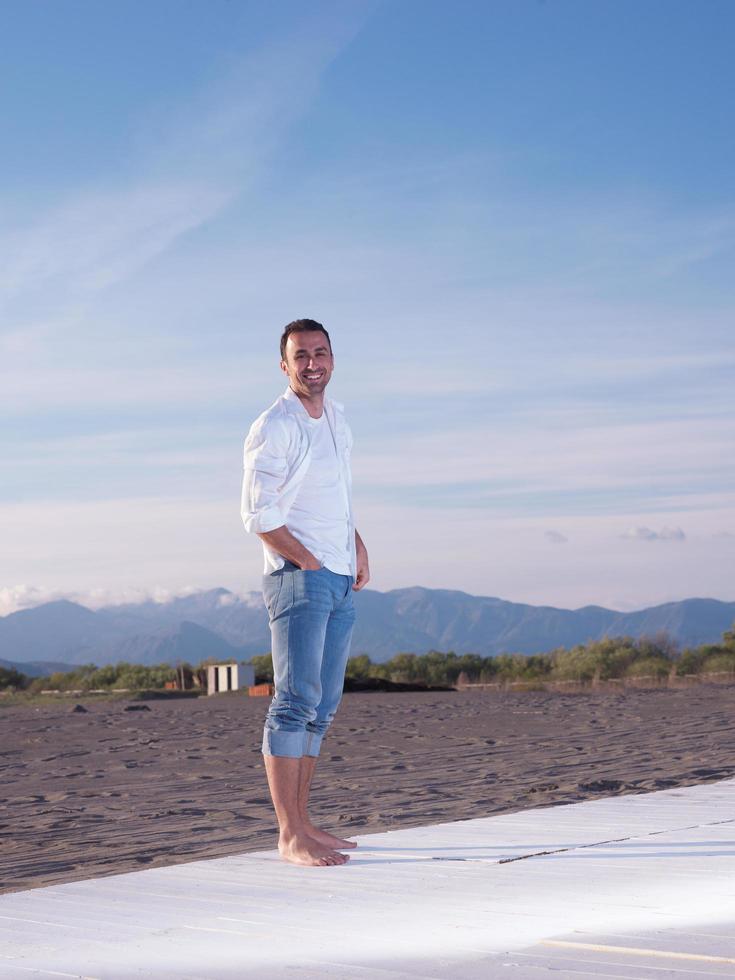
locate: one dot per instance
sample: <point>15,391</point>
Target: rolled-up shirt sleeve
<point>265,468</point>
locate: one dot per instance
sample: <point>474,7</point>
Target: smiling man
<point>297,497</point>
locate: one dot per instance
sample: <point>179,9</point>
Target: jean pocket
<point>272,587</point>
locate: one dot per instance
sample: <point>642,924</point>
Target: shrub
<point>719,662</point>
<point>263,666</point>
<point>358,668</point>
<point>11,679</point>
<point>649,667</point>
<point>577,664</point>
<point>690,662</point>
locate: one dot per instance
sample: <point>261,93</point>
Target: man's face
<point>309,362</point>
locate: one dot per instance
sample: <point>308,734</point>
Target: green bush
<point>690,662</point>
<point>657,667</point>
<point>111,677</point>
<point>358,668</point>
<point>263,666</point>
<point>11,679</point>
<point>578,664</point>
<point>719,662</point>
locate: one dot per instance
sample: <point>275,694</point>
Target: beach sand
<point>109,790</point>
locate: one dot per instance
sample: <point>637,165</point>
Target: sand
<point>110,790</point>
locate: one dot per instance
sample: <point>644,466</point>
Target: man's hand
<point>290,548</point>
<point>363,568</point>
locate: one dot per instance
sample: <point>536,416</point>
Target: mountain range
<point>218,623</point>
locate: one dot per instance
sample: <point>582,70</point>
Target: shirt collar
<point>296,405</point>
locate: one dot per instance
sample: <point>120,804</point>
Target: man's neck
<point>314,404</point>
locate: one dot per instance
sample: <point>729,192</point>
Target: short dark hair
<point>300,326</point>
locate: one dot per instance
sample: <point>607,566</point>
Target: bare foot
<point>329,840</point>
<point>303,849</point>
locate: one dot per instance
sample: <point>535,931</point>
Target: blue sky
<point>517,220</point>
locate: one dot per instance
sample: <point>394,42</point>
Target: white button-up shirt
<point>276,459</point>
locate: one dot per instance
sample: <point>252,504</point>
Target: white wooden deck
<point>634,886</point>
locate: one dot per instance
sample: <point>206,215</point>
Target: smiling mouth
<point>313,377</point>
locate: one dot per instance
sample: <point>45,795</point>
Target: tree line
<point>607,659</point>
<point>112,677</point>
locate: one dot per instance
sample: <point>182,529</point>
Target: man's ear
<point>283,367</point>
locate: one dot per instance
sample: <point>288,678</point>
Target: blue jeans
<point>311,617</point>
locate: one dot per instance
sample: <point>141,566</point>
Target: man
<point>296,497</point>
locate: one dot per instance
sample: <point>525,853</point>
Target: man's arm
<point>265,469</point>
<point>363,568</point>
<point>281,540</point>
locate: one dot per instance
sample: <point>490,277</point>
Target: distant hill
<point>218,623</point>
<point>36,668</point>
<point>171,644</point>
<point>52,631</point>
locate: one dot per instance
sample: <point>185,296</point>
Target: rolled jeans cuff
<point>293,745</point>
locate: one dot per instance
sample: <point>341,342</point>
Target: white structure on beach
<point>229,677</point>
<point>635,887</point>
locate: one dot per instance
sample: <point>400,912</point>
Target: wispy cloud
<point>232,126</point>
<point>556,537</point>
<point>197,160</point>
<point>99,238</point>
<point>15,598</point>
<point>570,461</point>
<point>648,534</point>
<point>180,542</point>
